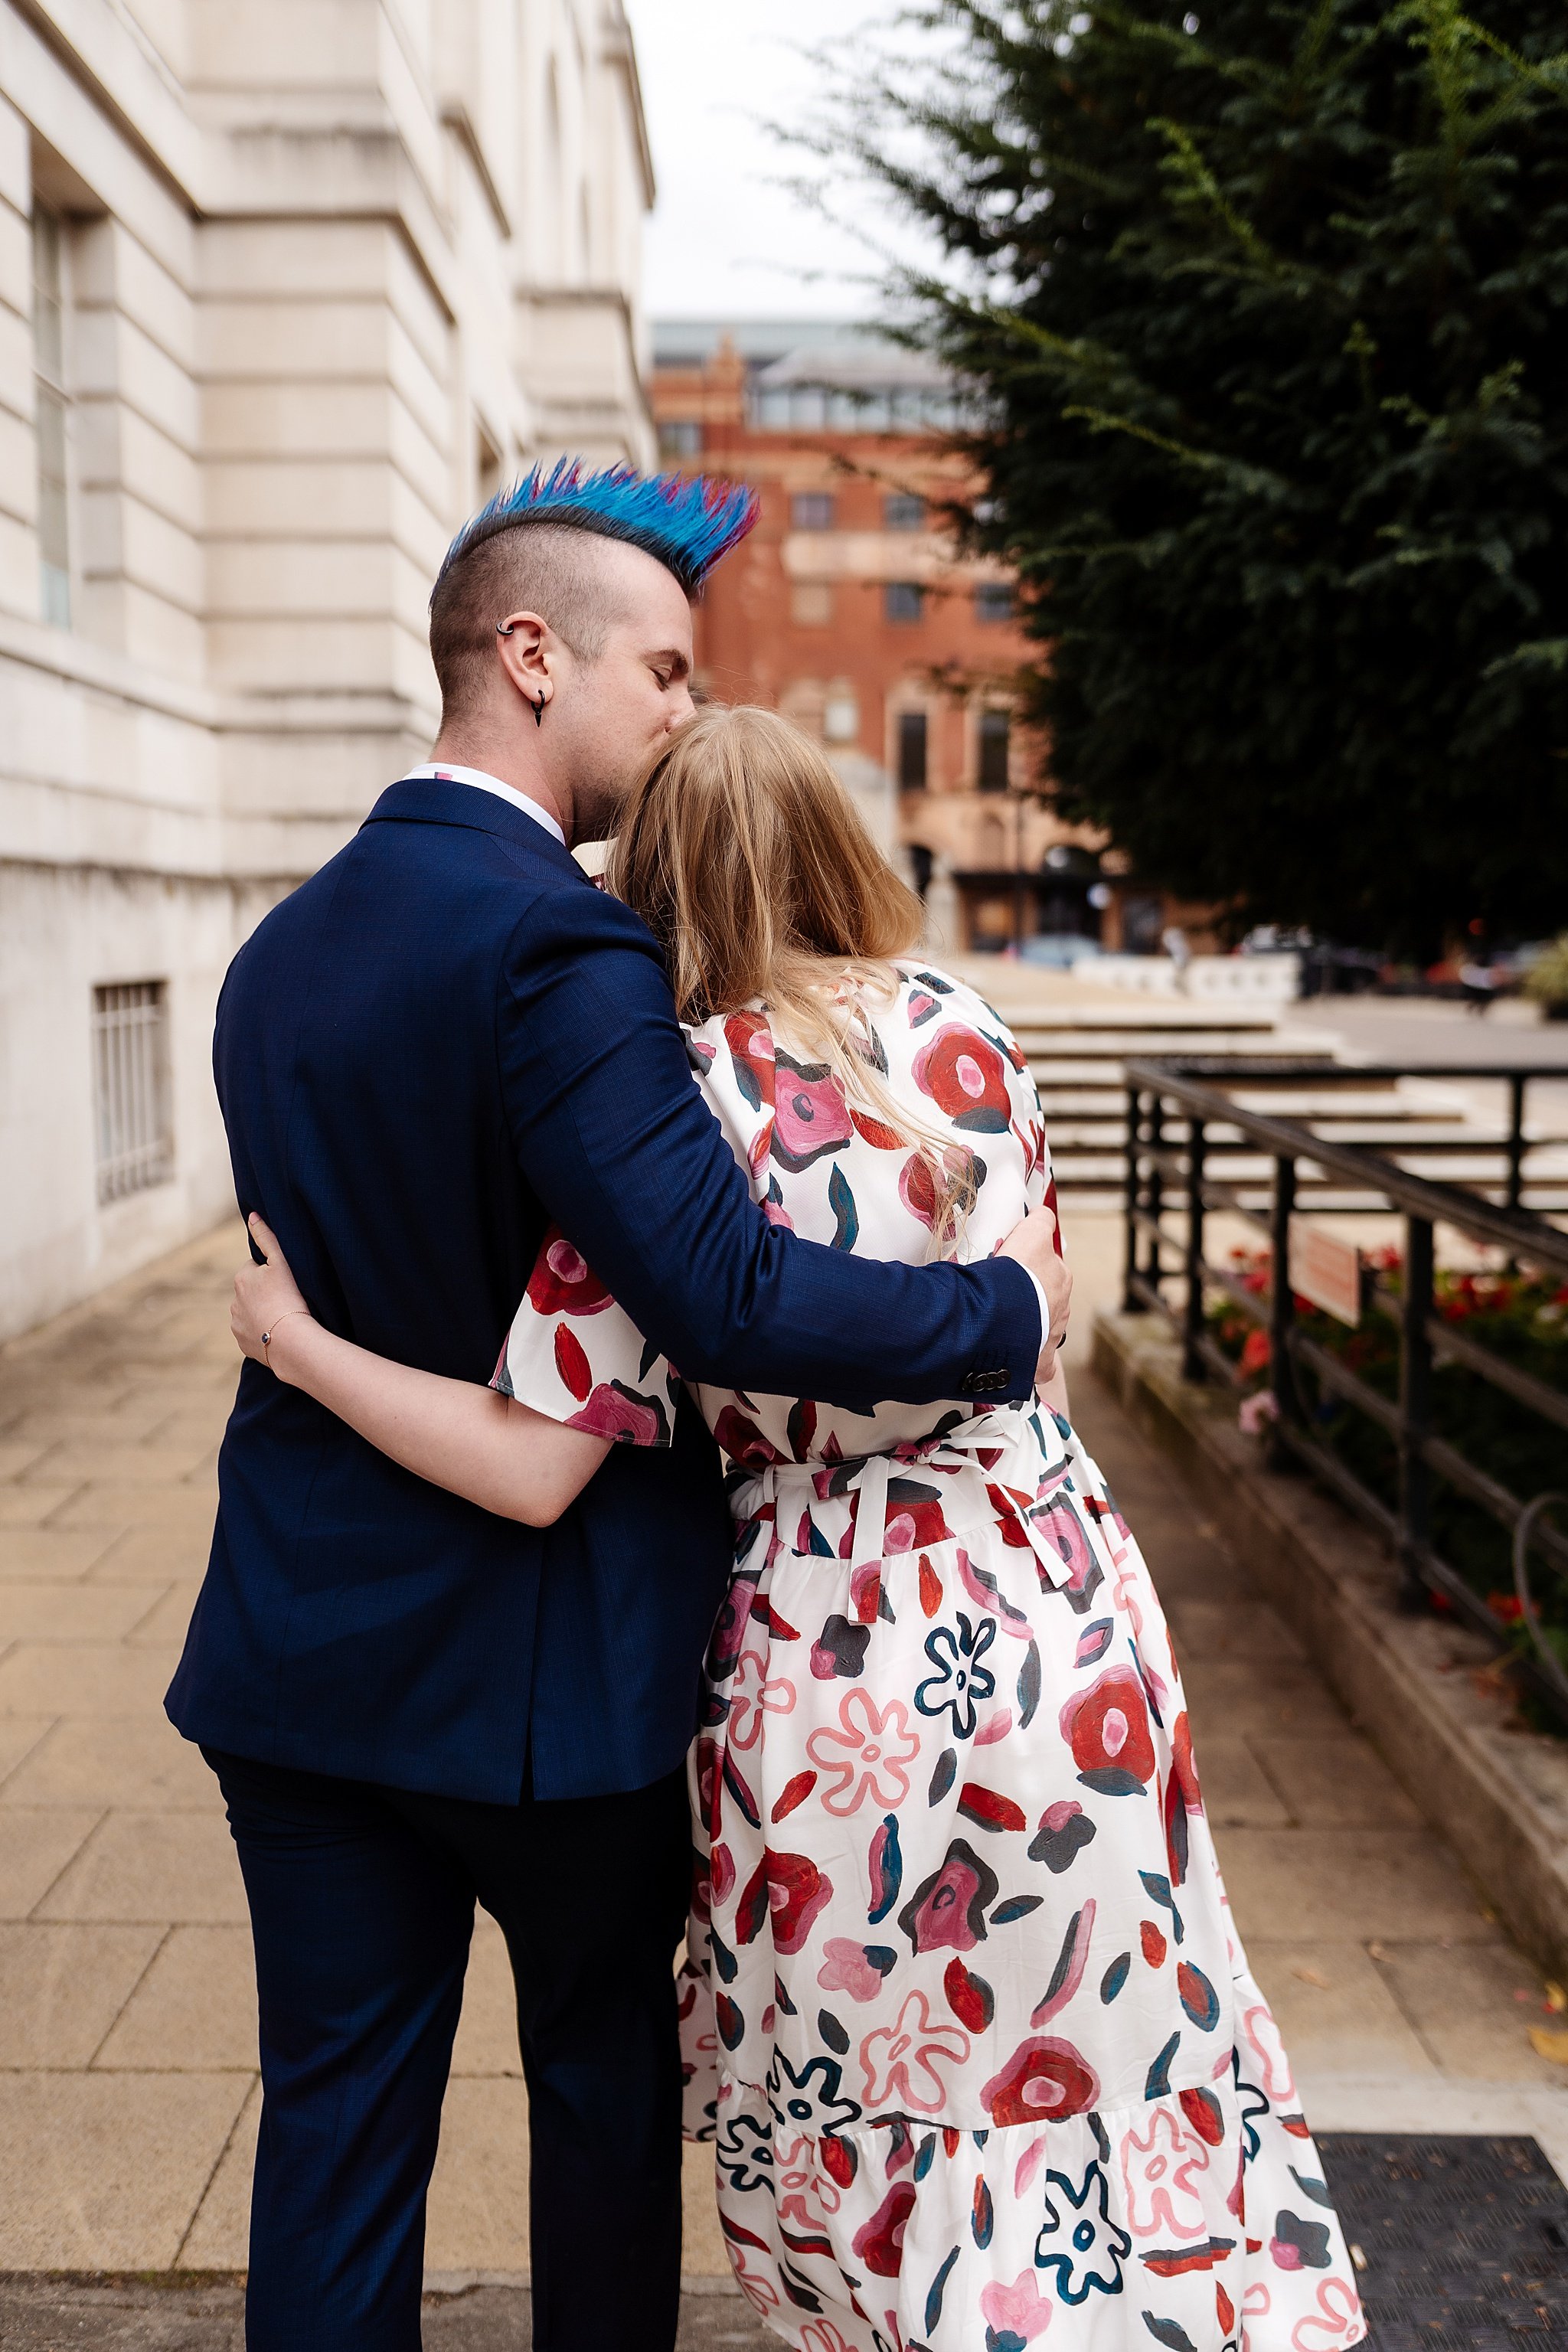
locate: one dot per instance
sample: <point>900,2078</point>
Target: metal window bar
<point>1319,1171</point>
<point>135,1140</point>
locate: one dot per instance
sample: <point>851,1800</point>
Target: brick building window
<point>49,405</point>
<point>904,511</point>
<point>680,437</point>
<point>810,510</point>
<point>135,1131</point>
<point>911,750</point>
<point>903,600</point>
<point>811,604</point>
<point>994,601</point>
<point>995,736</point>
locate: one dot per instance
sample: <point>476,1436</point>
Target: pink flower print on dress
<point>900,2061</point>
<point>966,1077</point>
<point>867,1756</point>
<point>811,1117</point>
<point>1336,2321</point>
<point>1160,2170</point>
<point>1015,2314</point>
<point>805,2192</point>
<point>562,1282</point>
<point>948,1909</point>
<point>852,1968</point>
<point>1274,2068</point>
<point>752,1697</point>
<point>880,2242</point>
<point>623,1416</point>
<point>751,1044</point>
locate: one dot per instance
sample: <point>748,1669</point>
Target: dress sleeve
<point>575,1356</point>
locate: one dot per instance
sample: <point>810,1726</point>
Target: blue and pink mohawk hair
<point>687,523</point>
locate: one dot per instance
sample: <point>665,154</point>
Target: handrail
<point>1519,1231</point>
<point>1182,1117</point>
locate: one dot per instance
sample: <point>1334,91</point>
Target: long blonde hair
<point>748,861</point>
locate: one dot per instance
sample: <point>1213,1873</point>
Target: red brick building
<point>848,610</point>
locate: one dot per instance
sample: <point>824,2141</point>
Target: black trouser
<point>361,1904</point>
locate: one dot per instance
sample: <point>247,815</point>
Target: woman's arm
<point>492,1449</point>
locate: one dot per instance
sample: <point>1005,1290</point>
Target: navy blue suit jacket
<point>443,1040</point>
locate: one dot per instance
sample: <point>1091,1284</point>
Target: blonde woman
<point>964,2017</point>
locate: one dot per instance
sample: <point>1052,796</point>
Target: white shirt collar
<point>441,772</point>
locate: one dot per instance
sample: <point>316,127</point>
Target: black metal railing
<point>1194,1150</point>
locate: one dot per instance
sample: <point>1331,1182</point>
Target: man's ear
<point>527,647</point>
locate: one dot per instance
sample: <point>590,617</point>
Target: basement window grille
<point>131,1084</point>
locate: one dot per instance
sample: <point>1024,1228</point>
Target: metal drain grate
<point>1464,2240</point>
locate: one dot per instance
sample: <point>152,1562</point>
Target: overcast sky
<point>725,240</point>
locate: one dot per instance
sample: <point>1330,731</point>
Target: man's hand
<point>1034,1243</point>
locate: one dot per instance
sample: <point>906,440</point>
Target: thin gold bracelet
<point>266,1336</point>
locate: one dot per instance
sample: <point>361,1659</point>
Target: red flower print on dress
<point>880,2242</point>
<point>900,2061</point>
<point>1161,2169</point>
<point>562,1282</point>
<point>1044,2080</point>
<point>1182,1798</point>
<point>623,1416</point>
<point>752,1697</point>
<point>1015,2314</point>
<point>743,1442</point>
<point>796,1892</point>
<point>965,1076</point>
<point>1107,1728</point>
<point>751,1044</point>
<point>866,1757</point>
<point>948,1909</point>
<point>811,1117</point>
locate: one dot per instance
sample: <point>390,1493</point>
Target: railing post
<point>1155,1193</point>
<point>1131,1302</point>
<point>1415,1408</point>
<point>1516,1086</point>
<point>1281,1372</point>
<point>1193,1365</point>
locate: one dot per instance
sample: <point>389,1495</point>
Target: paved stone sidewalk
<point>127,2035</point>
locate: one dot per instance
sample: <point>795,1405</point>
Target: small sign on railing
<point>1326,1268</point>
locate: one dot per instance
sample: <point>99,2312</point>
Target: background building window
<point>811,604</point>
<point>131,1084</point>
<point>903,600</point>
<point>904,511</point>
<point>995,733</point>
<point>50,411</point>
<point>841,715</point>
<point>911,750</point>
<point>680,437</point>
<point>994,599</point>
<point>810,510</point>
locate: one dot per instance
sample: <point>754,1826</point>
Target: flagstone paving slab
<point>29,1553</point>
<point>36,1845</point>
<point>103,2171</point>
<point>158,1866</point>
<point>195,2006</point>
<point>135,1760</point>
<point>62,1988</point>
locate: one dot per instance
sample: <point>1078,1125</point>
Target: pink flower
<point>1020,2310</point>
<point>752,1698</point>
<point>810,1115</point>
<point>1275,2078</point>
<point>845,1969</point>
<point>1164,2197</point>
<point>1333,2323</point>
<point>867,1756</point>
<point>805,2192</point>
<point>900,2061</point>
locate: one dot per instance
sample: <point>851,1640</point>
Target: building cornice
<point>620,53</point>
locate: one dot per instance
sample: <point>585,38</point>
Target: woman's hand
<point>263,1295</point>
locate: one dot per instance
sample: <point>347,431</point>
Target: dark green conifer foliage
<point>1270,304</point>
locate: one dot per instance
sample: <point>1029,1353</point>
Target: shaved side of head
<point>569,576</point>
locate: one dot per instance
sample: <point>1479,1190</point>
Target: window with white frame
<point>134,1130</point>
<point>49,408</point>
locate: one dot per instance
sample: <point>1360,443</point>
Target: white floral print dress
<point>967,2019</point>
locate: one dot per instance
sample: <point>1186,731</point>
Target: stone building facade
<point>286,288</point>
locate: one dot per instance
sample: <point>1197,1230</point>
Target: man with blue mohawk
<point>441,1044</point>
